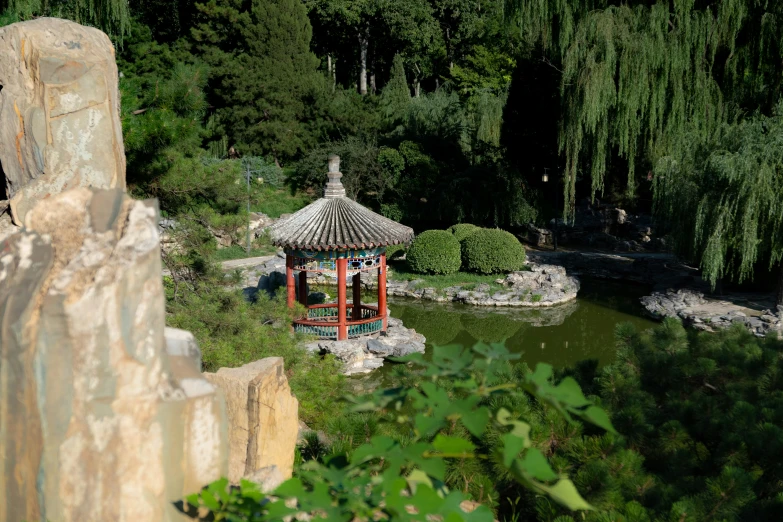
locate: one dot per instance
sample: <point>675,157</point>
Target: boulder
<point>60,112</point>
<point>104,413</point>
<point>262,415</point>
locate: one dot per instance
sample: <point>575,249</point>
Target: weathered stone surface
<point>364,354</point>
<point>541,286</point>
<point>59,109</point>
<point>710,314</point>
<point>263,417</point>
<point>97,421</point>
<point>268,478</point>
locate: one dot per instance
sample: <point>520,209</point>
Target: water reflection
<point>561,336</point>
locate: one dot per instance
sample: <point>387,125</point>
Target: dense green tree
<point>396,96</point>
<point>725,195</point>
<point>111,16</point>
<point>635,74</point>
<point>262,72</point>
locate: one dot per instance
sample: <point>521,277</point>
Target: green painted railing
<point>324,332</point>
<point>356,330</point>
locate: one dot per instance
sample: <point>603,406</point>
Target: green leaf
<point>219,489</point>
<point>565,493</point>
<point>599,417</point>
<point>512,445</point>
<point>290,488</point>
<point>445,444</point>
<point>426,426</point>
<point>536,464</point>
<point>519,428</point>
<point>542,375</point>
<point>209,501</point>
<point>193,500</point>
<point>435,468</point>
<point>569,392</point>
<point>417,477</point>
<point>476,421</point>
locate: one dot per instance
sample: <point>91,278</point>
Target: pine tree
<point>396,96</point>
<point>262,72</point>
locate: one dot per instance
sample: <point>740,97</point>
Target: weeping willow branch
<point>111,16</point>
<point>637,80</point>
<point>725,192</point>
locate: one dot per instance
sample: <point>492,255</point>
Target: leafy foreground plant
<point>404,479</point>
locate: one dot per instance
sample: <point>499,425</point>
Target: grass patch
<point>277,201</point>
<point>232,332</point>
<point>468,281</point>
<point>238,252</point>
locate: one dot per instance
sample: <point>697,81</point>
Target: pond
<point>561,336</point>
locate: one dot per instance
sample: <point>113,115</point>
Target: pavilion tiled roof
<point>336,222</point>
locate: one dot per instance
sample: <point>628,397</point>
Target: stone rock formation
<point>97,421</point>
<point>262,416</point>
<point>368,352</point>
<point>59,108</point>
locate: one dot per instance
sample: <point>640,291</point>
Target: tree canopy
<point>111,16</point>
<point>639,77</point>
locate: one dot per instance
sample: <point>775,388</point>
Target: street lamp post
<point>545,179</point>
<point>248,175</point>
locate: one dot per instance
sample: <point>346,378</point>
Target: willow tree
<point>635,73</point>
<point>726,196</point>
<point>111,16</point>
<point>646,81</point>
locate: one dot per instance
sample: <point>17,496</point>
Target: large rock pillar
<point>97,421</point>
<point>60,112</point>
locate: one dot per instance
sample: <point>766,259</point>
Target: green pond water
<point>561,336</point>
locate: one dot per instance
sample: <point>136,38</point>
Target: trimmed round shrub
<point>463,230</point>
<point>434,252</point>
<point>492,251</point>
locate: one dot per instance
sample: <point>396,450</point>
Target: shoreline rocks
<point>541,286</point>
<point>707,314</point>
<point>365,354</point>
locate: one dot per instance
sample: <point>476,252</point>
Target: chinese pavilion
<point>337,235</point>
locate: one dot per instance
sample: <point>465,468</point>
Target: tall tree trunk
<point>417,88</point>
<point>364,44</point>
<point>448,50</point>
<point>331,70</point>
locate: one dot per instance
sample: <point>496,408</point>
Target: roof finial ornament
<point>334,187</point>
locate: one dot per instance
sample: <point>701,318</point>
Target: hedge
<point>462,230</point>
<point>492,251</point>
<point>434,252</point>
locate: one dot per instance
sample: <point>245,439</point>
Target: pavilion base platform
<point>366,353</point>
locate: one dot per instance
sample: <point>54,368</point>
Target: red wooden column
<point>356,284</point>
<point>342,283</point>
<point>289,280</point>
<point>382,290</point>
<point>303,287</point>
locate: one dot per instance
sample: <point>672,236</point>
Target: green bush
<point>453,405</point>
<point>394,251</point>
<point>434,252</point>
<point>462,230</point>
<point>492,251</point>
